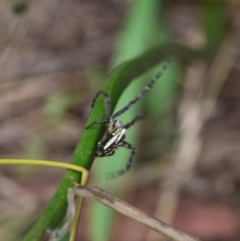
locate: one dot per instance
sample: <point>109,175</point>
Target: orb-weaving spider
<point>114,136</point>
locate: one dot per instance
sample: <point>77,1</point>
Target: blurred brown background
<point>53,59</point>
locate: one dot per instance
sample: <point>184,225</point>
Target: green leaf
<point>140,32</point>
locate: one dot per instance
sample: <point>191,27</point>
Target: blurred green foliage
<point>19,6</point>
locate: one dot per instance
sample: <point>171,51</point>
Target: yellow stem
<point>46,163</point>
<point>79,203</point>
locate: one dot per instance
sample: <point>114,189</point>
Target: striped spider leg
<point>114,135</point>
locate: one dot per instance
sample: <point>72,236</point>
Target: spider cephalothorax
<point>114,135</point>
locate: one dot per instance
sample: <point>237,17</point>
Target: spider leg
<point>129,163</point>
<point>144,90</point>
<point>107,106</point>
<point>107,102</point>
<point>96,122</point>
<point>129,124</point>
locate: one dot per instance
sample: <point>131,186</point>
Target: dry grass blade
<point>130,211</point>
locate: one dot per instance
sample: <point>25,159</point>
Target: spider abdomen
<point>110,142</point>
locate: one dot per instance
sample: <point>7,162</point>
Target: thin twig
<point>132,212</point>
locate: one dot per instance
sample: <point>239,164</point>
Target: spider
<point>114,135</point>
